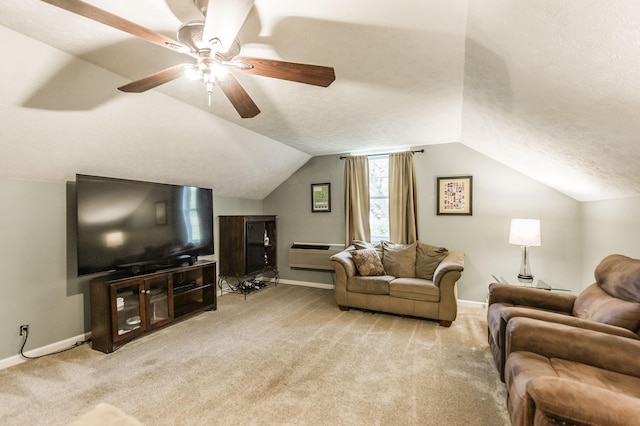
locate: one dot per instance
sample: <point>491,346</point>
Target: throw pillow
<point>399,259</point>
<point>367,262</point>
<point>363,245</point>
<point>428,258</point>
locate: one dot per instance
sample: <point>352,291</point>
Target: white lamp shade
<point>525,232</point>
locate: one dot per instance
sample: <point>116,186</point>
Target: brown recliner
<point>563,375</point>
<point>610,305</point>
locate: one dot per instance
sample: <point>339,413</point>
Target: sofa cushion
<point>525,367</point>
<point>399,260</point>
<point>590,375</point>
<point>369,285</point>
<point>414,289</point>
<point>363,245</point>
<point>367,262</point>
<point>595,304</point>
<point>428,258</point>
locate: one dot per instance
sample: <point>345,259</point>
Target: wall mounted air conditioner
<point>313,255</point>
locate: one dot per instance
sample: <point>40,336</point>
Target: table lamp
<point>525,233</point>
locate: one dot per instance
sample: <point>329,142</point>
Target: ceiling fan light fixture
<point>192,73</point>
<point>219,72</point>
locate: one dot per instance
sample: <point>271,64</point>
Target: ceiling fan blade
<point>291,71</point>
<point>153,80</point>
<point>238,97</point>
<point>89,11</point>
<point>223,21</point>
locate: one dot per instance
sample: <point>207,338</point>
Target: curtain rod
<point>342,157</point>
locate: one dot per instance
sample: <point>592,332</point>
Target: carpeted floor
<point>286,355</point>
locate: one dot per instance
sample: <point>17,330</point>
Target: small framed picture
<point>320,197</point>
<point>455,195</point>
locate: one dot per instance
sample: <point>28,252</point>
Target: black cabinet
<point>247,245</point>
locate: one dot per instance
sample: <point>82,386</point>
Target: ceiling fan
<point>213,44</point>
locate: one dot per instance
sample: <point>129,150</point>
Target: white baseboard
<point>306,284</point>
<point>44,350</point>
<point>472,304</point>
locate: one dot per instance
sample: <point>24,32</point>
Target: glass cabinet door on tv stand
<point>128,310</point>
<point>158,294</point>
<point>140,305</point>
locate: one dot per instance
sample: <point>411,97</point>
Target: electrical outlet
<point>24,329</point>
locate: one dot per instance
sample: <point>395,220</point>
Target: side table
<point>541,285</point>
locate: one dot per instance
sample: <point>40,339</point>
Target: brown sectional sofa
<point>567,359</point>
<point>417,280</point>
<point>610,305</point>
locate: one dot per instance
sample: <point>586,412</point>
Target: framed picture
<point>455,195</point>
<point>320,197</point>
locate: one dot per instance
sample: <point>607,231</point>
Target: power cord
<point>24,342</point>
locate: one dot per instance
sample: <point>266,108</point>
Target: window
<point>379,197</point>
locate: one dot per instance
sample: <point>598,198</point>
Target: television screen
<point>125,223</point>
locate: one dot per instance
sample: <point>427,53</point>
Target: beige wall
<point>499,194</point>
<point>39,285</point>
<point>611,226</point>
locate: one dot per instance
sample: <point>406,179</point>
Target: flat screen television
<point>140,226</point>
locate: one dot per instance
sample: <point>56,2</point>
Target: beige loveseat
<point>411,279</point>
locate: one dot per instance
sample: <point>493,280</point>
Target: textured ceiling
<point>549,88</point>
<point>553,90</point>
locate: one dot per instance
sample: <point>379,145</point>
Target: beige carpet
<point>286,355</point>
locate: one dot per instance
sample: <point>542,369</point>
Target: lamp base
<point>525,275</point>
<point>525,278</point>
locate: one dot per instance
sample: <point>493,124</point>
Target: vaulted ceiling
<point>548,88</point>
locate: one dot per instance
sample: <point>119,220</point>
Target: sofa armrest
<point>454,261</point>
<point>345,268</point>
<point>510,312</point>
<point>344,260</point>
<point>563,401</point>
<point>533,297</point>
<point>551,340</point>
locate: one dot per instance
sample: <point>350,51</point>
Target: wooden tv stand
<point>126,307</point>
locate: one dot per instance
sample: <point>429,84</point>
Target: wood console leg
<point>444,323</point>
<point>343,308</point>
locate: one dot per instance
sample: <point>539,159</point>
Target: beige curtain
<point>403,225</point>
<point>356,198</point>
